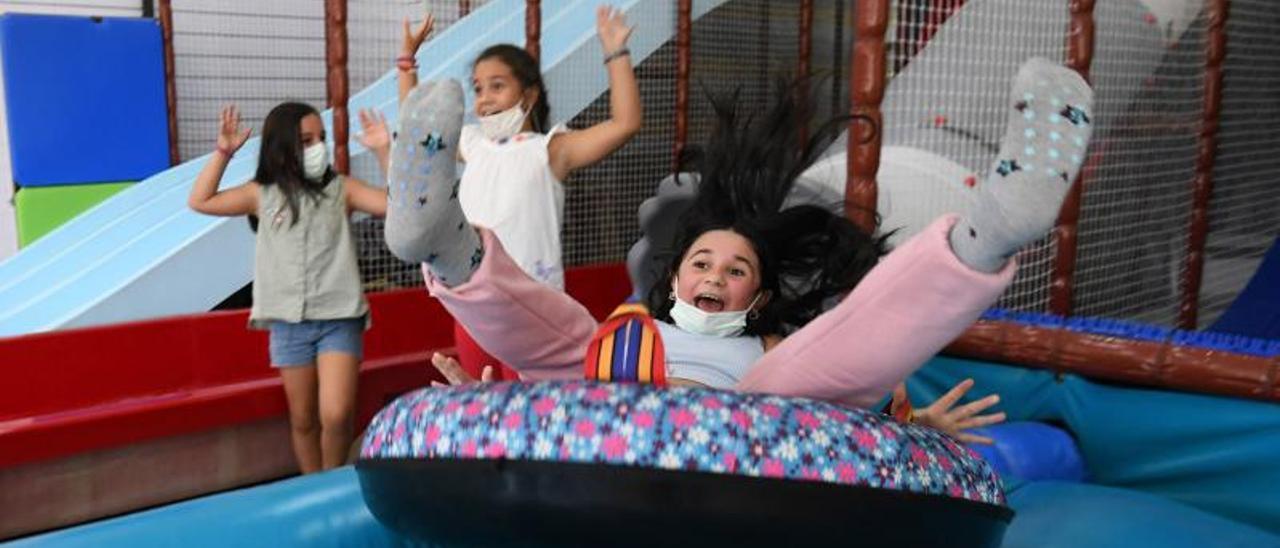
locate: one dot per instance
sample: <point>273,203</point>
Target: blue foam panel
<point>85,98</point>
<point>1031,451</point>
<point>1255,312</point>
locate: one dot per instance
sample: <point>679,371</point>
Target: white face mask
<point>715,324</point>
<point>315,161</point>
<point>503,125</point>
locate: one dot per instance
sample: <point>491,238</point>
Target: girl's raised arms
<point>407,63</point>
<point>578,149</point>
<point>205,197</point>
<point>375,136</point>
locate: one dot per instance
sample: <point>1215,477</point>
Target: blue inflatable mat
<point>1256,310</point>
<point>1067,515</point>
<point>85,98</point>
<point>1214,454</point>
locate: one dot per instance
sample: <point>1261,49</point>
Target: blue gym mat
<point>85,98</point>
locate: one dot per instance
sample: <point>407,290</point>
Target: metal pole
<point>684,57</point>
<point>804,63</point>
<point>337,81</point>
<point>1080,42</point>
<point>170,86</point>
<point>533,28</point>
<point>1215,51</point>
<point>866,91</point>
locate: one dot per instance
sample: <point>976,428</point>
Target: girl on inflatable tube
<point>748,269</point>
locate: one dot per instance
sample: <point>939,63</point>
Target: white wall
<point>106,8</point>
<point>8,223</point>
<point>112,8</point>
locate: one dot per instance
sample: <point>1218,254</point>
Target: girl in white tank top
<point>515,163</point>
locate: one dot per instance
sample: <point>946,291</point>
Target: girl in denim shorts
<point>306,288</point>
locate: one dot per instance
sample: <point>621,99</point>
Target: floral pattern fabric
<point>694,429</point>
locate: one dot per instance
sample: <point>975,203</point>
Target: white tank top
<point>508,187</point>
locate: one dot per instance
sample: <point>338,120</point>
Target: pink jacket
<point>916,301</point>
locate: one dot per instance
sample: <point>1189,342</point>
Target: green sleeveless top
<point>305,270</point>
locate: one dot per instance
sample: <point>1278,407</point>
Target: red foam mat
<point>78,390</point>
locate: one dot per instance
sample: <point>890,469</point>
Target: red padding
<point>78,390</point>
<point>600,288</point>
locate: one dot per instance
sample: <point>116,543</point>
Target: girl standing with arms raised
<point>306,288</point>
<point>516,162</point>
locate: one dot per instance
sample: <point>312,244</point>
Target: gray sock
<point>1043,148</point>
<point>425,223</point>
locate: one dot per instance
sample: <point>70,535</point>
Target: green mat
<point>41,209</point>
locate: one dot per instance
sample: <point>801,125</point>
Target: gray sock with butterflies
<point>1043,148</point>
<point>425,223</point>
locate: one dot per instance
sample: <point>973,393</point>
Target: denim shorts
<point>294,344</point>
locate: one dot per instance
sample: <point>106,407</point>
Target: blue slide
<point>144,254</point>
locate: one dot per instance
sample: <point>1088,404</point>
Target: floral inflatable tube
<point>586,463</point>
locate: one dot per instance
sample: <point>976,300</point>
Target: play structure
<point>1136,355</point>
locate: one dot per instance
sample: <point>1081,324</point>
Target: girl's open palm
<point>373,130</point>
<point>455,374</point>
<point>612,27</point>
<point>943,415</point>
<point>415,36</point>
<point>230,136</point>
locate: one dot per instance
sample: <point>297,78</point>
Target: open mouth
<point>708,303</point>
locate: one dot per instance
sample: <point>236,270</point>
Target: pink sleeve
<point>916,301</point>
<point>541,332</point>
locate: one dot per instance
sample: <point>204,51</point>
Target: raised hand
<point>415,36</point>
<point>611,25</point>
<point>942,415</point>
<point>455,374</point>
<point>373,130</point>
<point>230,136</point>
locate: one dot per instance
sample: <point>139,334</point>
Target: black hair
<point>280,156</point>
<point>525,68</point>
<point>746,171</point>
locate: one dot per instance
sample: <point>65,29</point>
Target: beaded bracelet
<point>406,63</point>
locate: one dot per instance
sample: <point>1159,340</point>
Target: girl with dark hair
<point>516,160</point>
<point>306,286</point>
<point>749,269</point>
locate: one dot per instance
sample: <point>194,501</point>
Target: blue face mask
<point>713,324</point>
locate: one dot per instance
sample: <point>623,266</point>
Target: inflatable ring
<point>586,463</point>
